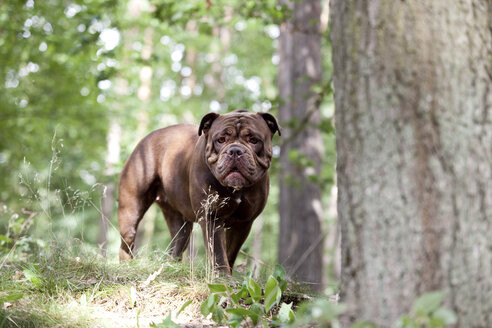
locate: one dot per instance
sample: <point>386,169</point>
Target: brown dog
<point>216,175</point>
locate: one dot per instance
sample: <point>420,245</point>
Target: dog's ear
<point>206,123</point>
<point>272,123</point>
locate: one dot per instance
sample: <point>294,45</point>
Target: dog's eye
<point>221,140</point>
<point>253,141</point>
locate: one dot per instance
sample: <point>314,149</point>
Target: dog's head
<point>238,147</point>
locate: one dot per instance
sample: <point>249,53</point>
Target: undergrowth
<point>71,285</point>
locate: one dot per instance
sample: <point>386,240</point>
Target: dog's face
<point>238,147</point>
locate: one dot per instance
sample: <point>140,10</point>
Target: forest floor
<point>62,287</point>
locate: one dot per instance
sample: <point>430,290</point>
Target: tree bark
<point>413,101</point>
<point>300,238</point>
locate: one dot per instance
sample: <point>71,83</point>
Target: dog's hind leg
<point>180,231</point>
<point>132,206</point>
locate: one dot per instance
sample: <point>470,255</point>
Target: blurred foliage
<point>48,83</point>
<point>70,67</point>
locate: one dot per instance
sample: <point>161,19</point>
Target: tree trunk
<point>224,34</point>
<point>147,226</point>
<point>413,117</point>
<point>107,198</point>
<point>136,9</point>
<point>256,247</point>
<point>301,239</point>
<point>332,254</point>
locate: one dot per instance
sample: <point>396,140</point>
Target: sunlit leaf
<point>428,302</point>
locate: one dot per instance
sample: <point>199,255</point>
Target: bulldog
<point>215,174</point>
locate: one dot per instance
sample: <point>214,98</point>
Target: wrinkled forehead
<point>239,122</point>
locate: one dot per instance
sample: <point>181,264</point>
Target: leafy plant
<point>16,235</point>
<point>249,302</point>
<point>322,312</point>
<point>32,274</point>
<point>427,311</point>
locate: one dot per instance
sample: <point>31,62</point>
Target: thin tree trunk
<point>300,239</point>
<point>256,247</point>
<point>332,254</point>
<point>107,199</point>
<point>144,90</point>
<point>146,228</point>
<point>191,55</point>
<point>413,96</point>
<point>224,34</point>
<point>135,8</point>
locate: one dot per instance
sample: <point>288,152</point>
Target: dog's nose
<point>234,151</point>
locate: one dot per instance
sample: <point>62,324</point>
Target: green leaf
<point>218,314</point>
<point>242,293</point>
<point>235,298</point>
<point>285,314</point>
<point>254,289</point>
<point>32,276</point>
<point>5,239</point>
<point>244,313</point>
<point>204,309</point>
<point>11,297</point>
<point>428,303</point>
<point>183,307</point>
<point>212,300</point>
<point>281,276</point>
<point>240,312</point>
<point>272,293</point>
<point>167,323</point>
<point>446,315</point>
<point>432,322</point>
<point>258,309</point>
<point>235,321</point>
<point>405,322</point>
<point>208,306</point>
<point>270,285</point>
<point>279,272</point>
<point>217,288</point>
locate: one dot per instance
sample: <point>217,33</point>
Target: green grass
<point>70,285</point>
